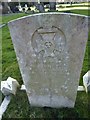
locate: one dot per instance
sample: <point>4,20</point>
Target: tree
<point>5,8</point>
<point>13,6</point>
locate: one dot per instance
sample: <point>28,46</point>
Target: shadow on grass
<point>22,109</point>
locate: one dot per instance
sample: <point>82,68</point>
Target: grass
<point>71,6</point>
<point>19,106</point>
<point>83,12</point>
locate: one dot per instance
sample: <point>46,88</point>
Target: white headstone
<point>86,81</point>
<point>50,50</point>
<point>9,86</point>
<point>20,8</point>
<point>26,8</point>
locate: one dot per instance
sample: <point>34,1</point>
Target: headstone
<point>52,5</point>
<point>26,8</point>
<point>2,25</point>
<point>40,7</point>
<point>9,86</point>
<point>20,8</point>
<point>4,105</point>
<point>86,81</point>
<point>50,50</point>
<point>80,88</point>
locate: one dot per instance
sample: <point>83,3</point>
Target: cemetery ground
<point>19,106</point>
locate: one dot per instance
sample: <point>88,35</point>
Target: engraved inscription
<point>50,53</point>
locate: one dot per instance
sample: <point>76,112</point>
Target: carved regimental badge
<point>48,42</point>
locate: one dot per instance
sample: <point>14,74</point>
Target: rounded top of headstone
<point>50,14</point>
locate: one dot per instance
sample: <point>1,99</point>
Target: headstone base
<point>54,102</point>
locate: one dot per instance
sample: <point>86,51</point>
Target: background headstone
<point>52,5</point>
<point>50,50</point>
<point>86,81</point>
<point>40,7</point>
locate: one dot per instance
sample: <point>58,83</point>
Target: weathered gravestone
<point>40,7</point>
<point>50,50</point>
<point>52,5</point>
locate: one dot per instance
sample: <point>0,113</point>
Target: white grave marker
<point>86,81</point>
<point>50,49</point>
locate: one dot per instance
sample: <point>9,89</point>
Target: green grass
<point>7,18</point>
<point>69,6</point>
<point>82,12</point>
<point>9,62</point>
<point>19,106</point>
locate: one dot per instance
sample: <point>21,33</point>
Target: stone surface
<point>86,81</point>
<point>80,88</point>
<point>50,50</point>
<point>4,105</point>
<point>52,5</point>
<point>41,7</point>
<point>2,25</point>
<point>9,86</point>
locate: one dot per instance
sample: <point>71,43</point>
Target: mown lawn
<point>83,12</point>
<point>19,106</point>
